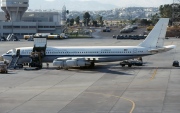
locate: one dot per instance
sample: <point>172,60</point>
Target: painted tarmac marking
<point>133,103</point>
<point>151,78</point>
<point>154,74</point>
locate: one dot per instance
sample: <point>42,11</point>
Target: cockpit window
<point>9,52</point>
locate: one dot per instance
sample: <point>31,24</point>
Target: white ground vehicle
<point>63,35</point>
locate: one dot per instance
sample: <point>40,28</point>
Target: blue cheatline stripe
<point>85,55</point>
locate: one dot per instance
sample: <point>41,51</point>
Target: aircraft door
<point>18,52</point>
<point>135,50</point>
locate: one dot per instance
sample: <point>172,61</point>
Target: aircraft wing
<point>96,59</point>
<point>77,61</point>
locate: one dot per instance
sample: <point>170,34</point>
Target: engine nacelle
<point>74,63</point>
<point>70,63</point>
<point>58,63</point>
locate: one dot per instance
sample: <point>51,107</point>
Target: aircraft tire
<point>92,65</point>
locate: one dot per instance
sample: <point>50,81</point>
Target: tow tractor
<point>130,63</point>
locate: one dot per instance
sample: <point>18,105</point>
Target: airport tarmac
<point>108,88</point>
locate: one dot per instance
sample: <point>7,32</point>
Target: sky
<point>124,3</point>
<point>146,3</point>
<point>88,5</point>
<point>95,4</point>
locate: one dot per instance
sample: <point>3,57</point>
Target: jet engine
<point>58,63</point>
<point>71,63</point>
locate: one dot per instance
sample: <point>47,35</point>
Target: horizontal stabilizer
<point>164,49</point>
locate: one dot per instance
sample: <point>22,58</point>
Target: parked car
<point>120,37</point>
<point>135,37</point>
<point>106,29</point>
<point>114,36</point>
<point>175,63</point>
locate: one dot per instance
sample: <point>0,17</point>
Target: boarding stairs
<point>13,63</point>
<point>12,37</point>
<point>9,37</point>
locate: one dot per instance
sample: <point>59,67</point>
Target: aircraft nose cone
<point>2,55</point>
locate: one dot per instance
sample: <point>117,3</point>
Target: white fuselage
<point>95,53</point>
<point>83,56</point>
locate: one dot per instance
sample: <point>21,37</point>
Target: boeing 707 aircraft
<point>66,57</point>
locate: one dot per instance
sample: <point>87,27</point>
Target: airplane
<point>66,57</point>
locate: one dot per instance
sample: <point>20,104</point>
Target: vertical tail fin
<point>156,37</point>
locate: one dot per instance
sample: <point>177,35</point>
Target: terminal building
<point>15,20</point>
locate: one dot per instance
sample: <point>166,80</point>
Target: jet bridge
<point>39,51</point>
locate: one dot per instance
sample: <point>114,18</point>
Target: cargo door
<point>40,42</point>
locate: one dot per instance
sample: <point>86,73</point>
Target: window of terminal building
<point>5,34</point>
<point>24,34</point>
<point>16,26</point>
<point>32,26</point>
<point>24,26</point>
<point>58,26</point>
<point>32,33</point>
<point>46,26</point>
<point>9,3</point>
<point>7,27</point>
<point>40,26</point>
<point>17,34</point>
<point>52,26</point>
<point>25,2</point>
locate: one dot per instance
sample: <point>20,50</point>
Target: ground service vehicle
<point>130,63</point>
<point>125,62</point>
<point>63,36</point>
<point>175,63</point>
<point>149,28</point>
<point>3,68</point>
<point>106,29</point>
